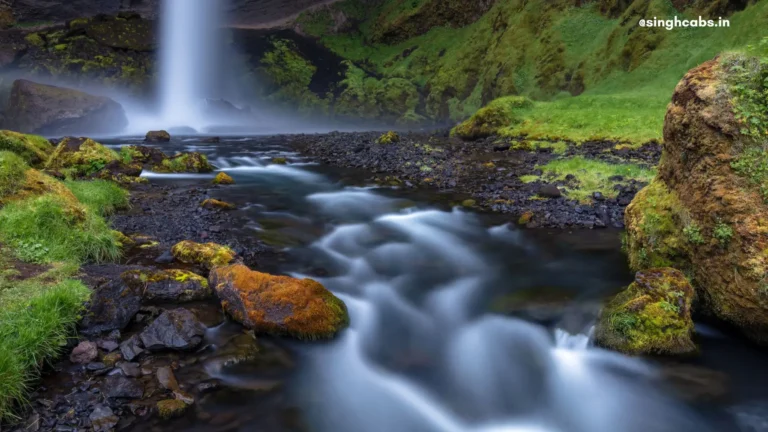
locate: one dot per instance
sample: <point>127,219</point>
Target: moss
<point>489,120</point>
<point>36,183</point>
<point>389,138</point>
<point>652,316</point>
<point>279,160</point>
<point>60,47</point>
<point>80,157</point>
<point>171,408</point>
<point>525,218</point>
<point>208,255</point>
<point>289,75</point>
<point>35,39</point>
<point>193,162</point>
<point>223,179</point>
<point>216,204</point>
<point>468,203</point>
<point>33,148</point>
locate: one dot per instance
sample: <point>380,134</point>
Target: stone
<point>167,379</point>
<point>208,255</point>
<point>50,110</point>
<point>177,329</point>
<point>549,191</point>
<point>103,419</point>
<point>171,408</point>
<point>85,352</point>
<point>119,386</point>
<point>108,345</point>
<point>130,369</point>
<point>112,306</point>
<point>177,286</point>
<point>112,358</point>
<point>157,136</point>
<point>223,178</point>
<point>213,204</point>
<point>131,348</point>
<point>279,305</point>
<point>651,317</point>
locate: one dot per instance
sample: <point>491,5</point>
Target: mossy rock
<point>389,138</point>
<point>652,316</point>
<point>193,162</point>
<point>223,178</point>
<point>33,148</point>
<point>489,120</point>
<point>165,286</point>
<point>157,136</point>
<point>214,204</point>
<point>279,161</point>
<point>171,408</point>
<point>208,255</point>
<point>80,157</point>
<point>279,305</point>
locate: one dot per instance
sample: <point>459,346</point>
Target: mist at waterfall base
<point>424,351</point>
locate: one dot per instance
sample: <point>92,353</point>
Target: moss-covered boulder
<point>208,255</point>
<point>489,120</point>
<point>50,110</point>
<point>164,286</point>
<point>223,178</point>
<point>279,305</point>
<point>193,162</point>
<point>706,211</point>
<point>652,316</point>
<point>157,136</point>
<point>214,204</point>
<point>80,157</point>
<point>389,138</point>
<point>171,408</point>
<point>34,149</point>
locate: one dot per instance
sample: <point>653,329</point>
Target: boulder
<point>112,306</point>
<point>193,162</point>
<point>223,178</point>
<point>157,136</point>
<point>652,316</point>
<point>173,285</point>
<point>549,191</point>
<point>171,408</point>
<point>208,255</point>
<point>81,157</point>
<point>142,155</point>
<point>84,353</point>
<point>705,213</point>
<point>50,110</point>
<point>279,305</point>
<point>176,329</point>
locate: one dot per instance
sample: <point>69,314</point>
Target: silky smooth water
<point>426,350</point>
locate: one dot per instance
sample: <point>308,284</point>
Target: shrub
<point>49,228</point>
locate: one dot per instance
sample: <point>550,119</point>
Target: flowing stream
<point>427,349</point>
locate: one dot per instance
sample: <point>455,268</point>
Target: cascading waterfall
<point>190,50</point>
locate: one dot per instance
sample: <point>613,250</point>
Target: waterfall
<point>190,48</point>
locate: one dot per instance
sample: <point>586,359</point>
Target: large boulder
<point>172,285</point>
<point>80,157</point>
<point>50,110</point>
<point>177,329</point>
<point>279,305</point>
<point>112,307</point>
<point>157,136</point>
<point>706,212</point>
<point>651,316</point>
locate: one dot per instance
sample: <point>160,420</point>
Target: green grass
<point>593,176</point>
<point>12,168</point>
<point>48,228</point>
<point>37,316</point>
<point>101,196</point>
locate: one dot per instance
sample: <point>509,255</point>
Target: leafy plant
<point>623,322</point>
<point>692,233</point>
<point>669,307</point>
<point>723,233</point>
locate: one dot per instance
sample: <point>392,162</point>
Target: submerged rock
<point>168,285</point>
<point>177,329</point>
<point>705,213</point>
<point>157,136</point>
<point>652,316</point>
<point>279,305</point>
<point>223,179</point>
<point>103,419</point>
<point>112,307</point>
<point>50,110</point>
<point>208,255</point>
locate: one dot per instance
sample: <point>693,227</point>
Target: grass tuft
<point>12,169</point>
<point>100,196</point>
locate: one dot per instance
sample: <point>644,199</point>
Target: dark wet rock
<point>168,285</point>
<point>95,367</point>
<point>211,140</point>
<point>171,408</point>
<point>84,352</point>
<point>549,191</point>
<point>165,258</point>
<point>131,348</point>
<point>129,369</point>
<point>167,379</point>
<point>157,136</point>
<point>50,110</point>
<point>108,345</point>
<point>118,386</point>
<point>177,329</point>
<point>112,306</point>
<point>696,384</point>
<point>103,419</point>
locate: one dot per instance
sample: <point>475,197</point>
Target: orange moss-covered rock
<point>279,305</point>
<point>212,204</point>
<point>208,255</point>
<point>223,178</point>
<point>652,316</point>
<point>702,214</point>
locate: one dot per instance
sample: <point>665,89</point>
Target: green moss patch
<point>500,113</point>
<point>34,149</point>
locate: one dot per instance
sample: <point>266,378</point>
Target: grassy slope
<point>533,48</point>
